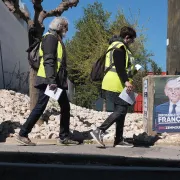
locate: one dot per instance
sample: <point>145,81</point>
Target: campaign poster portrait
<point>166,117</point>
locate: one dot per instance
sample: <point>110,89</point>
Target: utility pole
<point>173,38</point>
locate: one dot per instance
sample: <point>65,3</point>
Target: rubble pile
<point>14,109</point>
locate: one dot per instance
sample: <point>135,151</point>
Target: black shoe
<point>67,142</point>
<point>97,136</point>
<point>122,144</point>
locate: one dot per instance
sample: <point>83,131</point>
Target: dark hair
<point>127,31</point>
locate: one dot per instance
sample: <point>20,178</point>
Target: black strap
<point>105,72</point>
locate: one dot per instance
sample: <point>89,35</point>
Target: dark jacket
<point>49,48</point>
<point>162,108</point>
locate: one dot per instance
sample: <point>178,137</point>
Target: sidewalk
<point>44,146</point>
<point>49,161</point>
<point>88,162</point>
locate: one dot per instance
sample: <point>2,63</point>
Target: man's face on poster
<point>172,90</point>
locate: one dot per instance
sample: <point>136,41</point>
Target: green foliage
<point>90,41</point>
<point>154,68</point>
<point>137,81</point>
<point>85,95</point>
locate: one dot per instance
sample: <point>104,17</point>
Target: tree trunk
<point>32,91</point>
<point>173,43</point>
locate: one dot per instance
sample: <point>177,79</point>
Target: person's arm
<point>49,47</point>
<point>119,57</point>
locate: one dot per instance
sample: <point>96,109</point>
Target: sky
<point>153,17</point>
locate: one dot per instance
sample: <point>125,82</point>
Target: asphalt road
<point>48,161</point>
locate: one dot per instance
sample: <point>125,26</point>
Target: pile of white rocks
<point>14,109</point>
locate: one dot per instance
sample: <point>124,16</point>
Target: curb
<point>12,141</point>
<point>37,141</point>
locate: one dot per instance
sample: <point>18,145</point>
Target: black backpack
<point>98,69</point>
<point>33,55</point>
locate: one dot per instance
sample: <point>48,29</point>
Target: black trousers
<point>39,109</point>
<point>118,116</point>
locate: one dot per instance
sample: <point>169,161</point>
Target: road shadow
<point>81,136</point>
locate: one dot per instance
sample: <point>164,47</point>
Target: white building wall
<point>14,42</point>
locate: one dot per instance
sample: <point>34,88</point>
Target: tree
<point>88,44</point>
<point>36,28</point>
<point>153,67</point>
<point>94,30</point>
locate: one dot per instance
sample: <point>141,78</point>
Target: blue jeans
<point>118,116</point>
<point>39,109</point>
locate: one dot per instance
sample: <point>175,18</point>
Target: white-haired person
<point>52,52</point>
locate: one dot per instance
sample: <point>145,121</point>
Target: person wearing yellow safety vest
<point>114,81</point>
<point>52,53</point>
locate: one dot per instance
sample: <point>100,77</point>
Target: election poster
<point>166,117</point>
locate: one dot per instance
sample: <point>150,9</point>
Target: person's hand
<point>129,86</point>
<point>53,87</point>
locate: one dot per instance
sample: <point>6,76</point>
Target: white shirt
<point>177,107</point>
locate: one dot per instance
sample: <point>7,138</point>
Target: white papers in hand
<point>128,97</point>
<point>53,94</point>
<point>138,67</point>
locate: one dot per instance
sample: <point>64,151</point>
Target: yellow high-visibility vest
<point>41,70</point>
<point>111,81</point>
